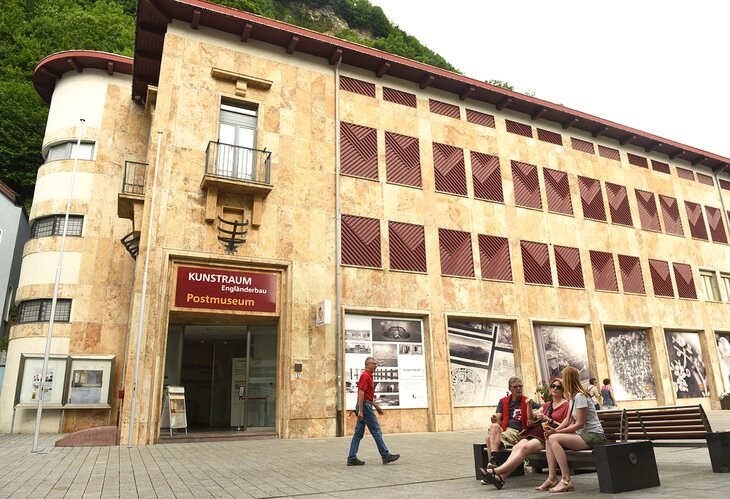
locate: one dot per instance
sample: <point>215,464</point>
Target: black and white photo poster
<point>397,344</point>
<point>629,362</point>
<point>559,347</point>
<point>723,351</point>
<point>686,365</point>
<point>482,361</point>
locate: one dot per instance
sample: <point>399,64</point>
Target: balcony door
<point>237,142</point>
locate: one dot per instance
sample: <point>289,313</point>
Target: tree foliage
<point>30,30</point>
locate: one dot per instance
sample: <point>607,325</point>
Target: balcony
<point>239,170</point>
<point>131,199</point>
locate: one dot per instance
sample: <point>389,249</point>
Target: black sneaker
<point>355,462</point>
<point>390,458</point>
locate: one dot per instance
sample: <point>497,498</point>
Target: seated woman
<point>532,439</point>
<point>581,431</point>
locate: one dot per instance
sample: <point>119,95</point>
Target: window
<point>53,226</point>
<point>709,280</point>
<point>358,151</point>
<point>449,169</point>
<point>536,263</point>
<point>360,241</point>
<point>456,255</point>
<point>67,150</point>
<point>725,278</point>
<point>237,141</point>
<point>40,310</point>
<point>527,185</point>
<point>407,246</point>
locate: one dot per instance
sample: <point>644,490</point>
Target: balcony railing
<point>134,177</point>
<point>238,163</point>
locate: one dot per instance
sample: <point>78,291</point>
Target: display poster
<point>482,361</point>
<point>686,365</point>
<point>723,351</point>
<point>629,362</point>
<point>397,344</point>
<point>30,381</point>
<point>559,347</point>
<point>90,381</point>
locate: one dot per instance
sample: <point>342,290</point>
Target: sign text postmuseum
<point>225,290</point>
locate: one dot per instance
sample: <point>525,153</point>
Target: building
<point>14,232</point>
<point>481,232</point>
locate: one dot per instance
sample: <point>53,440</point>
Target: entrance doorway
<point>229,375</point>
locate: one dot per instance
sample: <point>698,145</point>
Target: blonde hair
<point>571,383</point>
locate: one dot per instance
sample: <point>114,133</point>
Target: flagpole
<point>144,295</point>
<point>46,355</point>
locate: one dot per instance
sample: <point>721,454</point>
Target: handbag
<point>536,429</point>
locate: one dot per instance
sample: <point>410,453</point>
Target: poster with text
<point>90,381</point>
<point>629,362</point>
<point>723,351</point>
<point>559,347</point>
<point>30,381</point>
<point>397,344</point>
<point>482,361</point>
<point>686,365</point>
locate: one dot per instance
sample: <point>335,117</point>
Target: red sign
<point>225,290</point>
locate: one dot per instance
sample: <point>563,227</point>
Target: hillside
<point>32,29</point>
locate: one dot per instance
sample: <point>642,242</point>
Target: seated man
<point>509,420</point>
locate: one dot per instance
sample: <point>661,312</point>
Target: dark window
<point>399,97</point>
<point>582,145</point>
<point>670,214</point>
<point>618,204</point>
<point>448,164</point>
<point>557,191</point>
<point>658,166</point>
<point>40,310</point>
<point>696,220</point>
<point>685,281</point>
<point>536,263</point>
<point>608,152</point>
<point>591,198</point>
<point>604,271</point>
<point>639,161</point>
<point>357,86</point>
<point>494,258</point>
<point>724,184</point>
<point>438,107</point>
<point>661,280</point>
<point>526,184</point>
<point>705,179</point>
<point>407,244</point>
<point>487,177</point>
<point>519,128</point>
<point>548,136</point>
<point>717,227</point>
<point>567,263</point>
<point>648,213</point>
<point>685,173</point>
<point>53,226</point>
<point>358,150</point>
<point>456,255</point>
<point>479,118</point>
<point>402,160</point>
<point>360,241</point>
<point>631,276</point>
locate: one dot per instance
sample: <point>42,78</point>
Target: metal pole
<point>49,336</point>
<point>338,254</point>
<point>144,295</point>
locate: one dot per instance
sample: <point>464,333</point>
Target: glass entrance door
<point>261,386</point>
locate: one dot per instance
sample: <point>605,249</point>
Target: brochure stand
<point>174,414</point>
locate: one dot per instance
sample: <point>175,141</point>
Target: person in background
<point>609,402</point>
<point>594,393</point>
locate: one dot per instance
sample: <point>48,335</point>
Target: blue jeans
<point>370,419</point>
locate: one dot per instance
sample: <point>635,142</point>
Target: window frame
<point>711,275</point>
<point>57,226</point>
<point>44,310</point>
<point>66,151</point>
<point>725,281</point>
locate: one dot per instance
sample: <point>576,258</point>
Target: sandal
<point>491,477</point>
<point>548,484</point>
<point>568,486</point>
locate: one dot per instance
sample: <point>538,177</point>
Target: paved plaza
<point>432,465</point>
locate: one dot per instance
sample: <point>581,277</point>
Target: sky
<point>662,67</point>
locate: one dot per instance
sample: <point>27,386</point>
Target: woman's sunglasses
<point>557,387</point>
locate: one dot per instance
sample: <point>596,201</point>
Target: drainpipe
<point>338,254</point>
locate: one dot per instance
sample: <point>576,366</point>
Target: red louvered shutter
<point>658,166</point>
<point>407,247</point>
<point>526,185</point>
<point>660,279</point>
<point>685,173</point>
<point>494,258</point>
<point>696,220</point>
<point>631,276</point>
<point>358,150</point>
<point>648,213</point>
<point>519,128</point>
<point>402,160</point>
<point>548,136</point>
<point>557,191</point>
<point>456,255</point>
<point>442,108</point>
<point>449,170</point>
<point>717,227</point>
<point>705,179</point>
<point>638,160</point>
<point>357,86</point>
<point>479,118</point>
<point>609,152</point>
<point>670,214</point>
<point>685,281</point>
<point>724,184</point>
<point>618,204</point>
<point>582,145</point>
<point>591,198</point>
<point>399,97</point>
<point>567,263</point>
<point>360,241</point>
<point>536,263</point>
<point>487,177</point>
<point>604,271</point>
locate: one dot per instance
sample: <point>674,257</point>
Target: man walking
<point>365,410</point>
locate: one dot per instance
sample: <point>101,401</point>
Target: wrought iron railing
<point>134,177</point>
<point>237,162</point>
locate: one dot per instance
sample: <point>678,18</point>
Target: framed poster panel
<point>397,344</point>
<point>723,351</point>
<point>686,365</point>
<point>29,380</point>
<point>629,363</point>
<point>90,381</point>
<point>559,347</point>
<point>482,361</point>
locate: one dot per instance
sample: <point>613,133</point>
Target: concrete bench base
<point>103,436</point>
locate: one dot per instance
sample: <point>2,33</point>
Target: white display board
<point>90,381</point>
<point>29,381</point>
<point>174,414</point>
<point>397,344</point>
